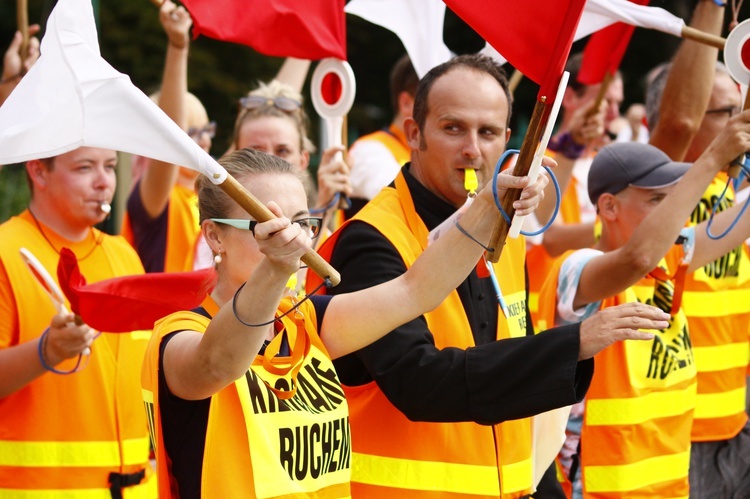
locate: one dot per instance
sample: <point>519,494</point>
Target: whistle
<point>471,183</point>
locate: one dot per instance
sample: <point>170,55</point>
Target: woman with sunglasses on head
<point>271,119</point>
<point>242,395</point>
<point>161,220</point>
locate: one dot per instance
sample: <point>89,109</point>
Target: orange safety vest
<point>297,444</point>
<point>183,229</point>
<point>717,304</point>
<point>394,457</point>
<point>62,436</point>
<point>635,440</point>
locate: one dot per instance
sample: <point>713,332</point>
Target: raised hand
<point>333,176</point>
<point>282,241</point>
<point>619,323</point>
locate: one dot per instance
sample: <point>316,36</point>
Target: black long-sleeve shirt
<point>489,383</point>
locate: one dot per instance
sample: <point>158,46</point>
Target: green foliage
<point>14,192</point>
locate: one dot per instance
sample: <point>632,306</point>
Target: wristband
<point>467,234</point>
<point>565,145</point>
<point>41,351</point>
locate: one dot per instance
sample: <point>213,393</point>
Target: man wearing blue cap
<point>631,435</point>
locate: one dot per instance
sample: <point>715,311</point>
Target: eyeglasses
<point>730,110</point>
<point>311,224</point>
<point>282,103</point>
<point>197,133</point>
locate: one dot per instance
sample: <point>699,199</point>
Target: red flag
<point>306,29</point>
<point>604,51</point>
<point>130,303</point>
<point>535,37</point>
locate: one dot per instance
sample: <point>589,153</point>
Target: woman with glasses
<point>241,393</point>
<point>162,221</point>
<point>271,119</point>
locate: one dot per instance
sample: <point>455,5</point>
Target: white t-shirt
<point>373,167</point>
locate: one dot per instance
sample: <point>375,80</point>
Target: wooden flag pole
<point>344,203</point>
<point>528,148</point>
<point>261,213</point>
<point>22,20</point>
<point>514,81</point>
<point>703,37</point>
<point>603,87</point>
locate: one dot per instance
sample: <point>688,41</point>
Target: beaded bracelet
<point>42,347</point>
<point>466,233</point>
<point>565,145</point>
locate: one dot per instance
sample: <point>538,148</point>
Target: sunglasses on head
<point>282,103</point>
<point>310,224</point>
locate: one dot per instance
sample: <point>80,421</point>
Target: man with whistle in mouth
<point>431,403</point>
<point>71,413</point>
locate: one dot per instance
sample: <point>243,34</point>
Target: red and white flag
<point>535,38</point>
<point>309,29</point>
<point>599,14</point>
<point>604,51</point>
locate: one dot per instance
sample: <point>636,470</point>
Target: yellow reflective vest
<point>635,440</point>
<point>280,431</point>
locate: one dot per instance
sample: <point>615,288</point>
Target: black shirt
<point>489,383</point>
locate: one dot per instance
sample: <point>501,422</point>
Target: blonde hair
<point>270,91</point>
<point>213,202</point>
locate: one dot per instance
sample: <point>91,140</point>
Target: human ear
<point>412,133</point>
<point>608,206</point>
<point>37,173</point>
<point>213,236</point>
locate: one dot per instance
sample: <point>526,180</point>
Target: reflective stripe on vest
<point>424,475</point>
<point>141,491</point>
<point>723,404</point>
<point>629,477</point>
<point>77,454</point>
<point>721,357</point>
<point>637,410</point>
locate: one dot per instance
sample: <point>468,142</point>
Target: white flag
<point>72,97</point>
<point>417,23</point>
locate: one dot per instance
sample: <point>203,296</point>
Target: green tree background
<point>133,41</point>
